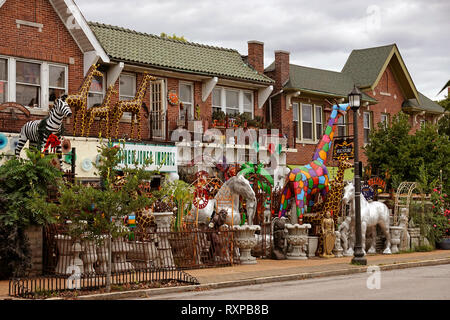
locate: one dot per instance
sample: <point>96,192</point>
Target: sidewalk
<point>279,270</point>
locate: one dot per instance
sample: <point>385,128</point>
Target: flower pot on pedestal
<point>244,239</point>
<point>64,246</point>
<point>162,220</point>
<point>313,242</point>
<point>297,238</point>
<point>395,238</point>
<point>119,250</point>
<point>89,256</point>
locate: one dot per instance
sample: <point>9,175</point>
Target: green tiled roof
<point>364,65</point>
<point>426,104</point>
<point>128,45</point>
<point>319,81</point>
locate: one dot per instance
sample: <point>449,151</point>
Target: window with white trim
<point>309,119</point>
<point>248,104</point>
<point>96,91</point>
<point>342,126</point>
<point>367,125</point>
<point>127,86</point>
<point>57,82</point>
<point>385,120</point>
<point>319,121</point>
<point>28,83</point>
<point>232,101</point>
<point>217,100</point>
<point>307,122</point>
<point>187,99</point>
<point>423,122</point>
<point>3,80</point>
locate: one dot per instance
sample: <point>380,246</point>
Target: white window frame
<point>163,95</point>
<point>344,124</point>
<point>386,120</point>
<point>44,82</point>
<point>298,106</point>
<point>219,106</point>
<point>239,106</point>
<point>365,128</point>
<point>66,79</point>
<point>131,75</point>
<point>311,121</point>
<point>6,93</point>
<point>318,134</point>
<point>191,84</point>
<point>223,99</point>
<point>103,92</point>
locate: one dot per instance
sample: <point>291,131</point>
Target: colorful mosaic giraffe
<point>133,106</point>
<point>78,101</point>
<point>105,112</point>
<point>304,182</point>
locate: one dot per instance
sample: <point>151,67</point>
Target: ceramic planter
<point>245,240</point>
<point>297,238</point>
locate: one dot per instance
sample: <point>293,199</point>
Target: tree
<point>444,122</point>
<point>406,157</point>
<point>24,183</point>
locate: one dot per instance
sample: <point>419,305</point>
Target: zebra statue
<point>37,131</point>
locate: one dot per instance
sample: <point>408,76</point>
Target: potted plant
<point>218,118</point>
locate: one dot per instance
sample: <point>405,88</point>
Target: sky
<point>319,34</point>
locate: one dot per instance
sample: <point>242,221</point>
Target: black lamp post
<point>354,100</point>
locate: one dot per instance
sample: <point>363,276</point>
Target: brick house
<point>49,47</point>
<point>298,104</point>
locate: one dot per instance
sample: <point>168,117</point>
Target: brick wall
<point>256,55</point>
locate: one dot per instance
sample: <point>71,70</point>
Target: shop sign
<point>163,157</point>
<point>343,148</point>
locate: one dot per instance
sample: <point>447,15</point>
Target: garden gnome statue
<point>329,237</point>
<point>279,240</point>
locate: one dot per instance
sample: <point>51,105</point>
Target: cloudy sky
<point>319,34</point>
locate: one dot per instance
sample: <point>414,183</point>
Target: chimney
<point>281,68</point>
<point>256,55</point>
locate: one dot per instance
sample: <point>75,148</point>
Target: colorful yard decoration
<point>305,182</point>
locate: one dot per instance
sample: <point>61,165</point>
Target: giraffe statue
<point>133,106</point>
<point>78,100</point>
<point>105,112</point>
<point>305,182</point>
<point>333,201</point>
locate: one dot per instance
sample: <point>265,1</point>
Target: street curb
<point>227,284</point>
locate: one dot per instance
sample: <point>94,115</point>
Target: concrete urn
<point>245,240</point>
<point>395,238</point>
<point>297,237</point>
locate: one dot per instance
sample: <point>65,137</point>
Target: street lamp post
<point>354,100</point>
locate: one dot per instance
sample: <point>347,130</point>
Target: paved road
<point>412,283</point>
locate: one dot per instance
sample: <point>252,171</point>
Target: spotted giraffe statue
<point>304,182</point>
<point>133,106</point>
<point>333,201</point>
<point>78,100</point>
<point>105,112</point>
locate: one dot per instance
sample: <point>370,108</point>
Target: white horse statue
<point>233,188</point>
<point>372,214</point>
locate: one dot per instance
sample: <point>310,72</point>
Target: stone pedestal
<point>414,237</point>
<point>395,238</point>
<point>245,240</point>
<point>162,220</point>
<point>143,255</point>
<point>75,263</point>
<point>313,242</point>
<point>89,256</point>
<point>102,257</point>
<point>64,246</point>
<point>35,238</point>
<point>338,250</point>
<point>119,250</point>
<point>297,238</point>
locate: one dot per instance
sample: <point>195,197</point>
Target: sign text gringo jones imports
<point>164,157</point>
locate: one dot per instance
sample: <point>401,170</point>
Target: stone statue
<point>217,248</point>
<point>329,237</point>
<point>345,230</point>
<point>279,247</point>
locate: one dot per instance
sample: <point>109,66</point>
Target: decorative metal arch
<point>403,197</point>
